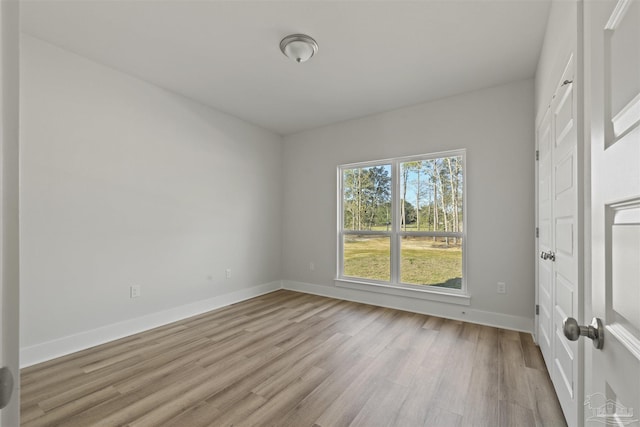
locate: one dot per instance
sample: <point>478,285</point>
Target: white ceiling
<point>373,56</point>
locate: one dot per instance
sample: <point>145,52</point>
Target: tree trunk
<point>435,198</point>
<point>444,210</point>
<point>418,200</point>
<point>454,198</point>
<point>405,177</point>
<point>359,201</point>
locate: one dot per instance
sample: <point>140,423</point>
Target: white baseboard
<point>433,308</point>
<point>70,344</point>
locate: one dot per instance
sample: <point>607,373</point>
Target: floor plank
<point>291,359</point>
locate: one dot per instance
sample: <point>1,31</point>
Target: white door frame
<point>9,240</point>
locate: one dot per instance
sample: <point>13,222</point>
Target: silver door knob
<point>548,255</point>
<point>595,331</point>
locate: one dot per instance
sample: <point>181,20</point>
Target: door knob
<point>595,331</point>
<point>548,255</point>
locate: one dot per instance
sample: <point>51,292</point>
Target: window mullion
<point>395,243</point>
<point>340,219</point>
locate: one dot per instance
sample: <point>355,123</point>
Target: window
<point>401,222</point>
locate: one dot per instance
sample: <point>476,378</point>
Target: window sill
<point>404,291</point>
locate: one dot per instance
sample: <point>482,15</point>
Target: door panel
<point>564,119</point>
<point>564,297</point>
<point>612,38</point>
<point>545,234</point>
<point>625,268</point>
<point>564,176</point>
<point>565,213</point>
<point>621,40</point>
<point>563,368</point>
<point>564,236</point>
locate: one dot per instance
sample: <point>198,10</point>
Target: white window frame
<point>395,286</point>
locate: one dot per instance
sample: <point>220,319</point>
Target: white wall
<point>496,126</point>
<point>124,183</point>
<point>9,264</point>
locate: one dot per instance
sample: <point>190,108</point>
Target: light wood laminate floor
<point>292,359</point>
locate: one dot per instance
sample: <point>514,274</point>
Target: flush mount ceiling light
<point>299,47</point>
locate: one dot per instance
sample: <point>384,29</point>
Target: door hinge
<point>537,309</point>
<point>537,232</point>
<point>537,154</point>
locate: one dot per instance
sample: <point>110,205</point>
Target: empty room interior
<point>321,213</point>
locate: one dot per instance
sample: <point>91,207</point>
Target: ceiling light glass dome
<point>298,47</point>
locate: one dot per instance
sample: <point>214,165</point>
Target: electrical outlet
<point>502,288</point>
<point>228,273</point>
<point>136,291</point>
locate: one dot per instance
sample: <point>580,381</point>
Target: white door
<point>9,415</point>
<point>545,243</point>
<point>566,254</point>
<point>612,93</point>
<point>559,223</point>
